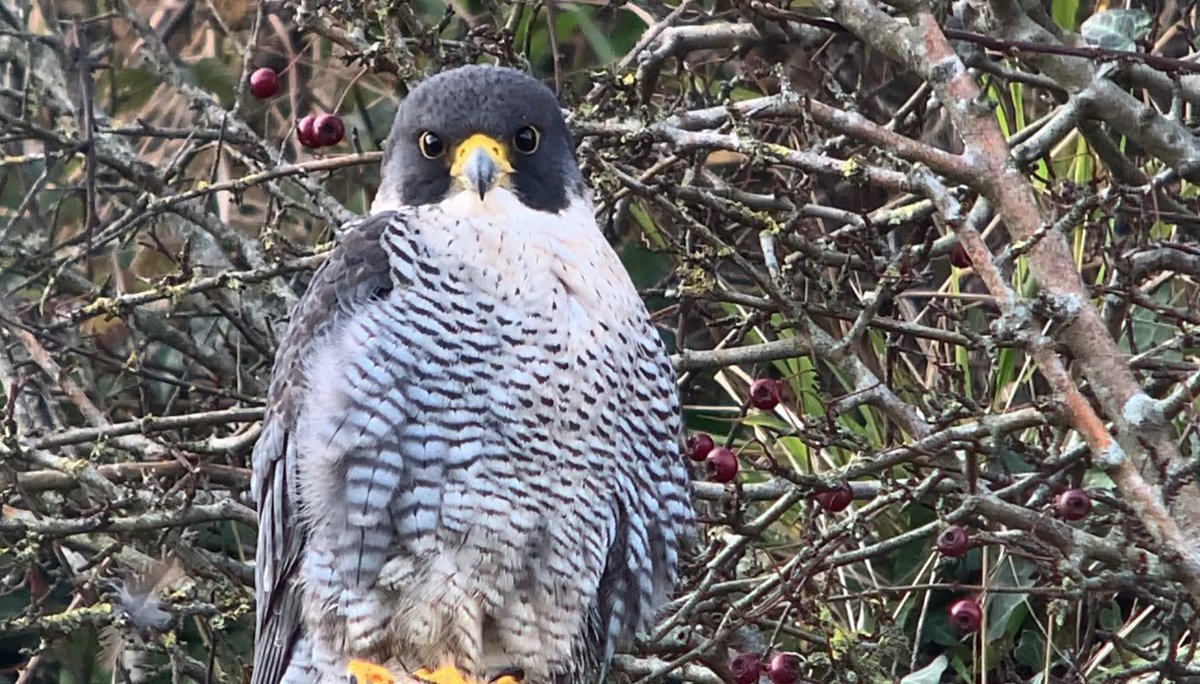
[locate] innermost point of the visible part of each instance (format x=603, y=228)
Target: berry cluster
x=320, y=130
x=966, y=615
x=722, y=463
x=314, y=130
x=765, y=394
x=782, y=668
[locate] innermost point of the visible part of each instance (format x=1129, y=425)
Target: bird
x=470, y=458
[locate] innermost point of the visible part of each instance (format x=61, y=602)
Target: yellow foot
x=364, y=672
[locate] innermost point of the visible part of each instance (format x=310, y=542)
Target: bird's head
x=480, y=129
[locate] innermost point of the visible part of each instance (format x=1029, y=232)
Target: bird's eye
x=431, y=145
x=526, y=140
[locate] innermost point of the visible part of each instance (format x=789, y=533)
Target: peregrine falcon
x=471, y=452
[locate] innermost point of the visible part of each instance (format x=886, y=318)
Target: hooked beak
x=480, y=162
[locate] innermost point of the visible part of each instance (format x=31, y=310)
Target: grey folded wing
x=355, y=273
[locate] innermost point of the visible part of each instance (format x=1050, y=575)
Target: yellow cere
x=492, y=147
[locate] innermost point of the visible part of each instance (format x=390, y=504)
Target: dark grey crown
x=495, y=101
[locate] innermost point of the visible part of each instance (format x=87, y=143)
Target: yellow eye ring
x=527, y=139
x=431, y=145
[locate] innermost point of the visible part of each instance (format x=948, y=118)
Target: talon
x=363, y=672
x=508, y=675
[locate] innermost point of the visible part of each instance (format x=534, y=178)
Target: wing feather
x=355, y=272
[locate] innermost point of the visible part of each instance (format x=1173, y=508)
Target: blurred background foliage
x=119, y=117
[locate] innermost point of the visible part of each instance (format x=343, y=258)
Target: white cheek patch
x=386, y=199
x=532, y=258
x=497, y=206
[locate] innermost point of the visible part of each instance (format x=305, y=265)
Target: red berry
x=306, y=131
x=329, y=129
x=959, y=256
x=953, y=541
x=698, y=446
x=1073, y=504
x=784, y=668
x=264, y=83
x=746, y=668
x=966, y=615
x=836, y=500
x=764, y=394
x=722, y=464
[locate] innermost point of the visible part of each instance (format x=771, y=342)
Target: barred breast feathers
x=534, y=321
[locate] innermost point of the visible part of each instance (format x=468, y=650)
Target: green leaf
x=649, y=227
x=1006, y=610
x=1031, y=649
x=215, y=76
x=1110, y=617
x=132, y=88
x=767, y=420
x=930, y=674
x=1065, y=13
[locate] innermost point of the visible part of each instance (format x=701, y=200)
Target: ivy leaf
x=1116, y=29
